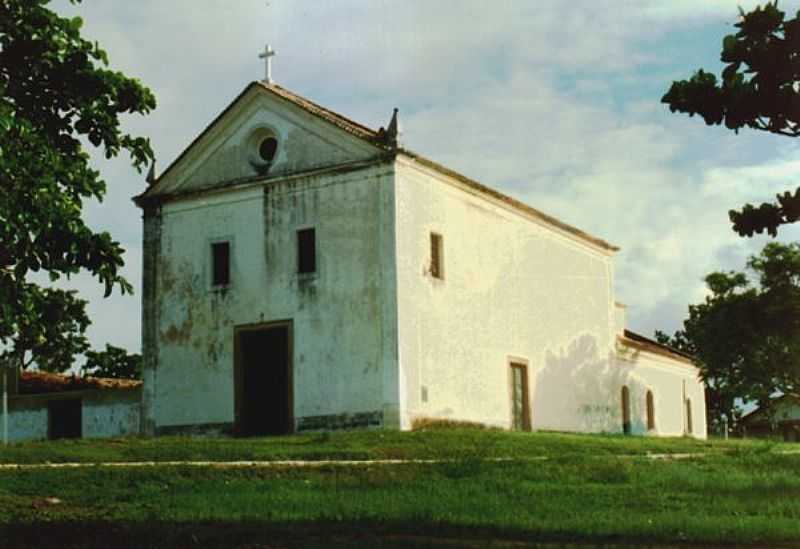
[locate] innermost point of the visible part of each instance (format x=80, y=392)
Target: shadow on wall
x=580, y=389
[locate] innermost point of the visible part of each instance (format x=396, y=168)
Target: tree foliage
x=746, y=334
x=759, y=89
x=55, y=92
x=113, y=362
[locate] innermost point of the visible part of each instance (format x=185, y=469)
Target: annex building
x=302, y=271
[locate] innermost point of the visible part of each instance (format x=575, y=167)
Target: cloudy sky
x=554, y=103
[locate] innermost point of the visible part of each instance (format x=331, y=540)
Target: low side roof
x=756, y=414
x=375, y=138
x=36, y=382
x=646, y=344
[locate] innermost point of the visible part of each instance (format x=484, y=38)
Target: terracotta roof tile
x=35, y=382
x=334, y=118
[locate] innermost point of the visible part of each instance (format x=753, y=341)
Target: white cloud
x=697, y=12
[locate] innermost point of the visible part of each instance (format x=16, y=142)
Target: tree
x=746, y=334
x=55, y=92
x=113, y=362
x=759, y=89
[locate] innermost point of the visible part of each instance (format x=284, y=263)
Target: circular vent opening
x=267, y=148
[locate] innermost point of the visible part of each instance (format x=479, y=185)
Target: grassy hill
x=472, y=488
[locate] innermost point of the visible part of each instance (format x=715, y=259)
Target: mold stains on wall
x=151, y=248
x=340, y=421
x=193, y=315
x=337, y=310
x=305, y=150
x=307, y=289
x=228, y=163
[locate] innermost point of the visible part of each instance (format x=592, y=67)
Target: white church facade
x=302, y=272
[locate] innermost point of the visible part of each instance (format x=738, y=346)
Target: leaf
x=759, y=89
x=48, y=177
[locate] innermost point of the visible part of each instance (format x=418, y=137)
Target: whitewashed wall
x=670, y=382
x=343, y=319
x=108, y=415
x=104, y=414
x=27, y=423
x=513, y=289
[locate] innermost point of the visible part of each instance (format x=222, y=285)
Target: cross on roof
x=267, y=55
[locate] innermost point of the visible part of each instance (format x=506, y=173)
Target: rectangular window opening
x=306, y=251
x=221, y=263
x=437, y=270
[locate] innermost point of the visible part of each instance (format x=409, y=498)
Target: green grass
x=425, y=444
x=588, y=490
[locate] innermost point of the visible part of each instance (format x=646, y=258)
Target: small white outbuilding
x=302, y=271
x=44, y=405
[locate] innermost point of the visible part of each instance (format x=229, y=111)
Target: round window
x=267, y=148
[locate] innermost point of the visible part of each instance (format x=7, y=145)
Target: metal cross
x=267, y=54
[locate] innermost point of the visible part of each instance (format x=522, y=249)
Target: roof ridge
x=377, y=139
x=316, y=108
x=518, y=204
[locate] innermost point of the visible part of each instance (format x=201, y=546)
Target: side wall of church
x=671, y=383
x=512, y=290
x=343, y=315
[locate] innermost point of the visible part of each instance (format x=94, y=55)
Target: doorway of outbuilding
x=263, y=380
x=65, y=418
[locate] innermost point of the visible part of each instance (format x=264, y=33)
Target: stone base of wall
x=200, y=429
x=340, y=421
x=330, y=422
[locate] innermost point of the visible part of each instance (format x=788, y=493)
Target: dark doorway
x=688, y=416
x=626, y=410
x=263, y=380
x=64, y=418
x=520, y=401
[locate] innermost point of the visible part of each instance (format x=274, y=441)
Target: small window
x=267, y=148
x=437, y=252
x=221, y=263
x=306, y=251
x=651, y=411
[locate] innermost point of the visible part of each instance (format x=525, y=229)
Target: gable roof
x=377, y=138
x=328, y=115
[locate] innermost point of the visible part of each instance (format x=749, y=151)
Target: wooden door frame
x=521, y=363
x=238, y=376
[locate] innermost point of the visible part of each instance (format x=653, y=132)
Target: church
x=304, y=272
